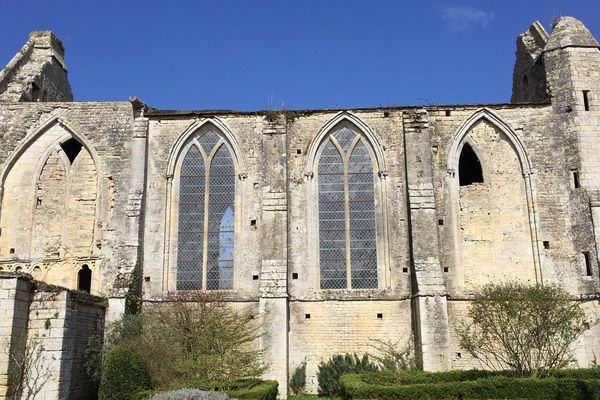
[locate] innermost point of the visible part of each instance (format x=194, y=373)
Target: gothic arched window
x=347, y=221
x=205, y=240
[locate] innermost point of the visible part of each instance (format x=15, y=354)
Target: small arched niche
x=84, y=279
x=469, y=167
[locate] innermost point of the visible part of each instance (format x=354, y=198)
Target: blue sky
x=267, y=54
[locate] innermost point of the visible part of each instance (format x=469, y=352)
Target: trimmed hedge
x=124, y=372
x=495, y=387
x=415, y=377
x=243, y=389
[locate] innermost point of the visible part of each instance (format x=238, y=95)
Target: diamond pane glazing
x=208, y=141
x=221, y=221
x=332, y=219
x=363, y=236
x=345, y=137
x=191, y=221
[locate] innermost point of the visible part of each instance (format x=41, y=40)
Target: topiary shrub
x=298, y=379
x=124, y=372
x=330, y=372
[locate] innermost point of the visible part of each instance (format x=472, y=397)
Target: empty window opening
x=405, y=270
x=458, y=355
x=445, y=269
x=71, y=148
x=587, y=264
x=448, y=113
x=35, y=92
x=84, y=279
x=525, y=87
x=469, y=167
x=306, y=316
x=252, y=222
x=146, y=279
x=576, y=184
x=546, y=244
x=379, y=316
x=254, y=277
x=298, y=151
x=586, y=100
x=294, y=275
x=11, y=250
x=440, y=222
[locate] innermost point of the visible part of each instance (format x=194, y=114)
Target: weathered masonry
x=337, y=226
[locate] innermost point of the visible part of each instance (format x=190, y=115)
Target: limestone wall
x=48, y=331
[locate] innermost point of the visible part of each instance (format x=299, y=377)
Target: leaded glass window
x=347, y=228
x=205, y=242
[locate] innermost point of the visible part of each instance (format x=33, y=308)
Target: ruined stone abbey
x=337, y=226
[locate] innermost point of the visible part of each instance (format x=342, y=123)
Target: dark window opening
x=546, y=244
x=146, y=279
x=254, y=277
x=448, y=113
x=440, y=222
x=445, y=269
x=294, y=275
x=379, y=316
x=252, y=222
x=11, y=250
x=525, y=87
x=576, y=179
x=405, y=270
x=588, y=266
x=84, y=279
x=35, y=92
x=469, y=167
x=586, y=101
x=298, y=151
x=306, y=316
x=71, y=148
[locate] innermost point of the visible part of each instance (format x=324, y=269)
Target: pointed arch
x=35, y=134
x=359, y=125
x=485, y=114
x=189, y=132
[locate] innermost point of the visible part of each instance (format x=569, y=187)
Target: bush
x=394, y=356
x=330, y=372
x=243, y=389
x=498, y=387
x=298, y=379
x=123, y=373
x=197, y=336
x=529, y=329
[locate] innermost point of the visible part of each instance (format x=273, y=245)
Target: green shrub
x=492, y=387
x=123, y=373
x=298, y=379
x=330, y=372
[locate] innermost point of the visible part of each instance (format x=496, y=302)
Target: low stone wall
x=44, y=331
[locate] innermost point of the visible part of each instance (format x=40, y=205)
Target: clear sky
x=268, y=54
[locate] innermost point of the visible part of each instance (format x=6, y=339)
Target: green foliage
x=243, y=389
x=196, y=336
x=492, y=387
x=271, y=115
x=92, y=358
x=330, y=372
x=124, y=372
x=529, y=329
x=298, y=379
x=394, y=356
x=133, y=297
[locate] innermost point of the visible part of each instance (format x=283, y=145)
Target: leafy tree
x=529, y=329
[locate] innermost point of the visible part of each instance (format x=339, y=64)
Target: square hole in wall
x=458, y=355
x=294, y=275
x=252, y=222
x=11, y=250
x=254, y=277
x=306, y=316
x=146, y=279
x=440, y=222
x=386, y=114
x=379, y=315
x=405, y=270
x=445, y=269
x=256, y=185
x=448, y=113
x=298, y=151
x=546, y=244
